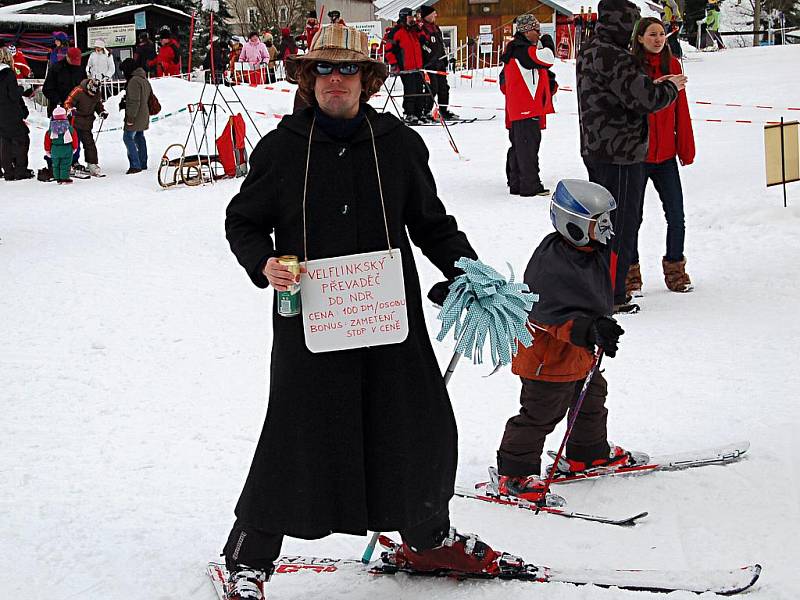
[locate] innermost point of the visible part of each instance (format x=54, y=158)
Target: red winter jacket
x=527, y=82
x=670, y=128
x=407, y=47
x=168, y=60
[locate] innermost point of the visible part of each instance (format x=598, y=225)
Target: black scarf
x=339, y=129
x=570, y=282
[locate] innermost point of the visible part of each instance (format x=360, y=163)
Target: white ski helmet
x=575, y=205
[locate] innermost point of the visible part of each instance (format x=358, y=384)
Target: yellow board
x=791, y=153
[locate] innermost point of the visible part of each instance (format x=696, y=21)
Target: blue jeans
x=137, y=149
x=667, y=181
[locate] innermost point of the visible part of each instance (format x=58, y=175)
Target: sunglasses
x=323, y=68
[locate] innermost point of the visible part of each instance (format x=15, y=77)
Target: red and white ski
x=722, y=581
x=481, y=492
x=671, y=462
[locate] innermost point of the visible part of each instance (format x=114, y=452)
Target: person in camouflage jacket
x=615, y=96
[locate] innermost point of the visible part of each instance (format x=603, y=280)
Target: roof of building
x=50, y=12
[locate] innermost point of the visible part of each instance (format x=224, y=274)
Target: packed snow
x=135, y=353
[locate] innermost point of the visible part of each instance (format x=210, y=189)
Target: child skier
x=60, y=142
x=84, y=102
x=570, y=272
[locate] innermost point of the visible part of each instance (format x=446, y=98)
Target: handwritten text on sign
x=354, y=301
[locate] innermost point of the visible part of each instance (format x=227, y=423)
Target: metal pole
x=783, y=166
x=74, y=25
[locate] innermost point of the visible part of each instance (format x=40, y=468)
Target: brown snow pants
x=544, y=404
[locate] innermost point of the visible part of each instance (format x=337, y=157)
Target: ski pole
x=598, y=355
x=99, y=129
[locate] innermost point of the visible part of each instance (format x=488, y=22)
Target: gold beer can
x=289, y=301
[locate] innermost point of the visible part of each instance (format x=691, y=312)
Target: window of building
x=283, y=14
x=252, y=15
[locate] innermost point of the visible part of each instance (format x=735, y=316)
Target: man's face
x=338, y=95
x=533, y=36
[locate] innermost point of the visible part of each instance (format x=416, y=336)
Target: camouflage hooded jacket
x=615, y=95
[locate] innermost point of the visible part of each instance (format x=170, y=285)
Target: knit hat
x=92, y=87
x=312, y=14
x=60, y=114
x=61, y=36
x=100, y=43
x=127, y=66
x=526, y=23
x=285, y=32
x=267, y=36
x=425, y=10
x=74, y=56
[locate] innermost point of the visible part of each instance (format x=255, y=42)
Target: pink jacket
x=254, y=53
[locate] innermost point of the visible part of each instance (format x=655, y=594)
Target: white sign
x=371, y=28
x=484, y=29
x=113, y=35
x=485, y=38
x=486, y=48
x=354, y=301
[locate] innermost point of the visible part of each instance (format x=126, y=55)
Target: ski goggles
x=324, y=69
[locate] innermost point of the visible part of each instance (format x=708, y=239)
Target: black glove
x=602, y=331
x=104, y=115
x=439, y=291
x=122, y=104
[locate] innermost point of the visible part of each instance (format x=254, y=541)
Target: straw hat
x=339, y=44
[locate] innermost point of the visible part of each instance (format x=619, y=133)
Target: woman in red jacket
x=670, y=137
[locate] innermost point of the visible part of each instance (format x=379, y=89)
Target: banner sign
x=781, y=155
x=354, y=301
x=114, y=36
x=371, y=28
x=140, y=20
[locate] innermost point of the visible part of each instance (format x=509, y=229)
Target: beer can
x=289, y=301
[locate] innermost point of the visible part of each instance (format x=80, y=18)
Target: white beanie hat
x=100, y=43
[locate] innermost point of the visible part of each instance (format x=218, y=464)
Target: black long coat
x=355, y=439
x=61, y=79
x=12, y=108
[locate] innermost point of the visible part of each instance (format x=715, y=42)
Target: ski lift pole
x=191, y=38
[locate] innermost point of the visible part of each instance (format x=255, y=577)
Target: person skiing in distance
x=434, y=57
x=671, y=136
x=528, y=85
x=712, y=25
x=571, y=275
x=407, y=48
x=82, y=104
x=614, y=97
x=381, y=466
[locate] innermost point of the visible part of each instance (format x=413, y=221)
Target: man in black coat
x=434, y=57
x=62, y=78
x=365, y=438
x=144, y=53
x=615, y=95
x=14, y=139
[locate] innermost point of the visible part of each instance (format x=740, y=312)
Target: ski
x=481, y=493
x=720, y=581
x=672, y=462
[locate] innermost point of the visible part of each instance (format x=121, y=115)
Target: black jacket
x=433, y=50
x=12, y=107
x=615, y=95
x=61, y=79
x=143, y=54
x=356, y=439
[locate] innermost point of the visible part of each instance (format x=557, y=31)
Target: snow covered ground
x=134, y=357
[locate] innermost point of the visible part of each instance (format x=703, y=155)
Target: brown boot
x=633, y=282
x=675, y=275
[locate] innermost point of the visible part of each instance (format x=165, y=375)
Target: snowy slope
x=135, y=353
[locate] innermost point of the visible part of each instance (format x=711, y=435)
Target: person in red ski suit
x=671, y=137
x=312, y=27
x=407, y=49
x=167, y=61
x=528, y=86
